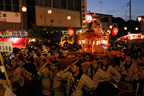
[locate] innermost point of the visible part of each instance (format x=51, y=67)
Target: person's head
x=43, y=47
x=128, y=57
x=141, y=70
x=61, y=50
x=87, y=56
x=33, y=52
x=139, y=51
x=13, y=62
x=54, y=65
x=75, y=65
x=29, y=71
x=26, y=50
x=135, y=54
x=105, y=60
x=29, y=59
x=20, y=57
x=48, y=41
x=95, y=63
x=48, y=48
x=122, y=54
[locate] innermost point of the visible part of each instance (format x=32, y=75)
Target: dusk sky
x=117, y=8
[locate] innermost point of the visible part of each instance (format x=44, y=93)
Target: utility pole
x=130, y=14
x=100, y=6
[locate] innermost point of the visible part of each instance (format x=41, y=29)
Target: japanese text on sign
x=6, y=47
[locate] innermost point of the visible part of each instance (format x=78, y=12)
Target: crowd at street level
x=46, y=71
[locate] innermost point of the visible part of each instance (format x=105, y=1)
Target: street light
x=136, y=28
x=24, y=9
x=125, y=28
x=110, y=26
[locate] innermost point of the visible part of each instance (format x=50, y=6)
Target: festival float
x=93, y=39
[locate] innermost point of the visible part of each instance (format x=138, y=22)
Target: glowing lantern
x=71, y=32
x=136, y=28
x=110, y=26
x=125, y=28
x=68, y=17
x=49, y=11
x=140, y=19
x=24, y=9
x=88, y=18
x=115, y=31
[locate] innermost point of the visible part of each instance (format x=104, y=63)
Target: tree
x=43, y=35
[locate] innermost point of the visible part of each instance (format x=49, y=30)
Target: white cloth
x=8, y=92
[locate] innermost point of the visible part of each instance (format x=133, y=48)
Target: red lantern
x=88, y=18
x=140, y=19
x=71, y=32
x=115, y=31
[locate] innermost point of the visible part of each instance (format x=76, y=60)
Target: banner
x=14, y=17
x=13, y=33
x=6, y=47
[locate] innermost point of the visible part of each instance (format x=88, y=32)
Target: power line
x=118, y=9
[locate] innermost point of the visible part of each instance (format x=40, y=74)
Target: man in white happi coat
x=76, y=80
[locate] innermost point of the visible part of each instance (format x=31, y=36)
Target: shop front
x=17, y=37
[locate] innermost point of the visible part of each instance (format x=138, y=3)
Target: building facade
x=64, y=13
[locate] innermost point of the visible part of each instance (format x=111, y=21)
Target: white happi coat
x=131, y=74
x=85, y=82
x=46, y=82
x=113, y=74
x=100, y=76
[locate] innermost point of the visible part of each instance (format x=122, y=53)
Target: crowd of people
x=49, y=71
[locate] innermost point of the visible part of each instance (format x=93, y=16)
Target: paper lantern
x=88, y=18
x=115, y=31
x=71, y=32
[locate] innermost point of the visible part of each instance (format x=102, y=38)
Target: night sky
x=117, y=8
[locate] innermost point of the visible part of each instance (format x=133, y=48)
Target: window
x=8, y=5
x=77, y=5
x=83, y=6
x=8, y=2
x=47, y=3
x=15, y=8
x=1, y=1
x=1, y=5
x=15, y=2
x=16, y=5
x=39, y=2
x=56, y=3
x=63, y=4
x=8, y=8
x=83, y=15
x=70, y=4
x=83, y=10
x=105, y=19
